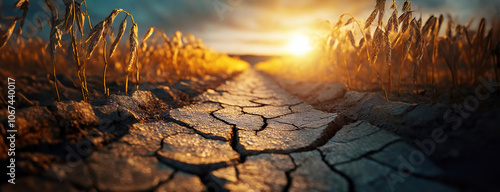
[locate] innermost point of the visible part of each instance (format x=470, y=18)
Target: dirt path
x=249, y=134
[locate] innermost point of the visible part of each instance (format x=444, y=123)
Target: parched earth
x=246, y=135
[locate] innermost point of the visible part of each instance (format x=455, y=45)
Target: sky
x=262, y=27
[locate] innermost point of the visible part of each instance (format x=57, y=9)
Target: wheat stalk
x=55, y=42
x=107, y=26
x=69, y=26
x=134, y=42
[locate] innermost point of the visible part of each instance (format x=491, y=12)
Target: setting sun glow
x=299, y=45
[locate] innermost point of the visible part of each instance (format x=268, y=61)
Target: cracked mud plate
x=248, y=135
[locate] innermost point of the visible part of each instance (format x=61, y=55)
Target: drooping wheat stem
x=55, y=38
x=70, y=23
x=105, y=68
x=133, y=52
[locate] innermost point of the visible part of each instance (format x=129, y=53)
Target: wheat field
x=98, y=49
x=403, y=54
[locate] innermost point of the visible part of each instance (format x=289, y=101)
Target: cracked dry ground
x=249, y=135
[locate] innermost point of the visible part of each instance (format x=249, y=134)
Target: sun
x=299, y=45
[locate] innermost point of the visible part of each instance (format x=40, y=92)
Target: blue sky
x=255, y=26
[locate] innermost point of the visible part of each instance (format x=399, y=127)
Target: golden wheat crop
x=417, y=53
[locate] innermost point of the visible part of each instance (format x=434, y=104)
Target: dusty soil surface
x=465, y=125
x=52, y=134
x=247, y=134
